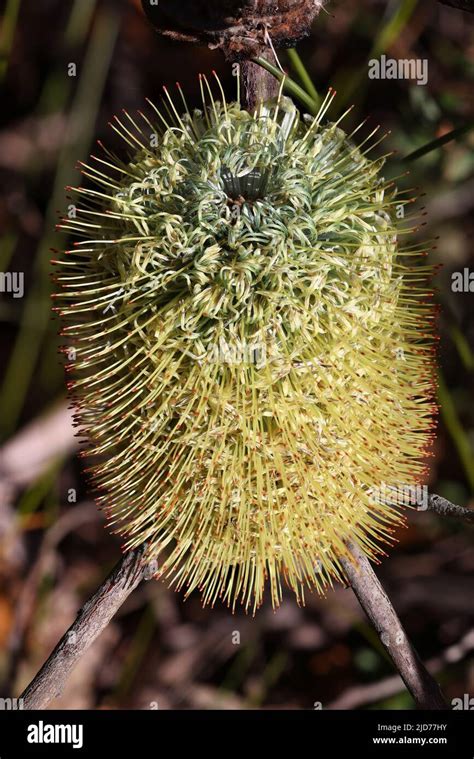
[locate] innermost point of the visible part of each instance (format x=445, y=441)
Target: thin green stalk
x=463, y=348
x=9, y=23
x=456, y=430
x=301, y=70
x=79, y=22
x=465, y=352
x=37, y=309
x=392, y=30
x=271, y=674
x=289, y=85
x=32, y=498
x=57, y=88
x=235, y=674
x=384, y=39
x=7, y=247
x=434, y=144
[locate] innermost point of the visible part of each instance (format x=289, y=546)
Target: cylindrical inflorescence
x=253, y=350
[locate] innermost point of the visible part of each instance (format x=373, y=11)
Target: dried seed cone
x=253, y=359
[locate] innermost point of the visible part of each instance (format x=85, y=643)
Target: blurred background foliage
x=161, y=652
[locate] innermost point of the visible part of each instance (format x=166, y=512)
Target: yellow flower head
x=253, y=354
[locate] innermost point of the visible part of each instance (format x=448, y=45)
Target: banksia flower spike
x=253, y=351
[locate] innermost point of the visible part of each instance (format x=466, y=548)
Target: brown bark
x=238, y=27
x=258, y=85
x=376, y=604
x=94, y=617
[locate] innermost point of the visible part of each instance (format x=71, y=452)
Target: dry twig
x=382, y=615
x=94, y=616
